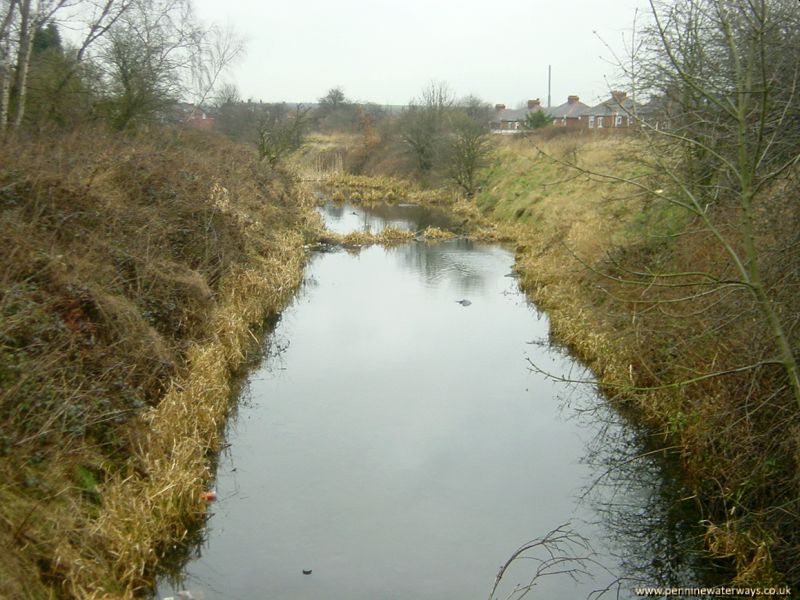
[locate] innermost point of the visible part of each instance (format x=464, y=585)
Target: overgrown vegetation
x=138, y=259
x=589, y=251
x=437, y=140
x=133, y=272
x=669, y=259
x=136, y=266
x=133, y=61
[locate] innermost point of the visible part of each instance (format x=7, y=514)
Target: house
x=200, y=119
x=569, y=113
x=658, y=112
x=192, y=115
x=507, y=120
x=617, y=112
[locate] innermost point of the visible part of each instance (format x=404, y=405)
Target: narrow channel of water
x=394, y=442
x=345, y=218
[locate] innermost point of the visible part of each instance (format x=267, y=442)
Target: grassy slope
x=739, y=434
x=132, y=273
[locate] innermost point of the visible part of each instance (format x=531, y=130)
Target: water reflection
x=398, y=446
x=345, y=217
x=649, y=518
x=436, y=261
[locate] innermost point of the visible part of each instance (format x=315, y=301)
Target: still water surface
x=393, y=441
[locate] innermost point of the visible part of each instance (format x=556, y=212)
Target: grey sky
x=385, y=51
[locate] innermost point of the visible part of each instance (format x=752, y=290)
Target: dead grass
x=558, y=218
x=368, y=189
x=435, y=233
x=389, y=236
x=570, y=229
x=136, y=271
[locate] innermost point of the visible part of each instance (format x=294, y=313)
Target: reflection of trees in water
x=334, y=210
x=412, y=216
x=453, y=260
x=377, y=217
x=650, y=517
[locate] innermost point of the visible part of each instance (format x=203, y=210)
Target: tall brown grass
x=133, y=273
x=585, y=246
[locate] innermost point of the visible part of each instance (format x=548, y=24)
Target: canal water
x=394, y=441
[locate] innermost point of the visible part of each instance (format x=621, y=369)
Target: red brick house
x=507, y=120
x=615, y=113
x=569, y=113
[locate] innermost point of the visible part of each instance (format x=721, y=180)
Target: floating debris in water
x=464, y=302
x=209, y=496
x=306, y=571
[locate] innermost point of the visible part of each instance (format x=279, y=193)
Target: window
x=618, y=121
x=591, y=122
x=600, y=122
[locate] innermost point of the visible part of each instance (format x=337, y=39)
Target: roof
x=508, y=114
x=612, y=106
x=517, y=114
x=568, y=109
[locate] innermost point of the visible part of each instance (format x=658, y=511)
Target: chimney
x=572, y=99
x=534, y=104
x=618, y=96
x=499, y=107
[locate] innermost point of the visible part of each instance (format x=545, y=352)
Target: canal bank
x=395, y=443
x=136, y=277
x=636, y=287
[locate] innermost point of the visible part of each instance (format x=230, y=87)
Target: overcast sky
x=386, y=51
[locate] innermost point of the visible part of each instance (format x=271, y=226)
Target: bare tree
x=7, y=15
x=422, y=122
x=280, y=131
x=467, y=151
x=712, y=286
x=146, y=58
x=20, y=19
x=726, y=74
x=333, y=100
x=216, y=50
x=96, y=18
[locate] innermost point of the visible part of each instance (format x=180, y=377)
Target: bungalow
x=507, y=120
x=616, y=112
x=569, y=113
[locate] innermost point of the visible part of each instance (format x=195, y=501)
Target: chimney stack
x=499, y=107
x=618, y=96
x=534, y=104
x=572, y=99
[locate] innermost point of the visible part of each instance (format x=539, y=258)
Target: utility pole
x=549, y=80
